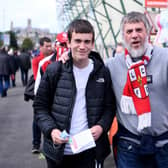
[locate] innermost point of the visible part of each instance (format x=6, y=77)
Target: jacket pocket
x=53, y=151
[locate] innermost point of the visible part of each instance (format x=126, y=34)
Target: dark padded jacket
x=24, y=61
x=5, y=67
x=55, y=99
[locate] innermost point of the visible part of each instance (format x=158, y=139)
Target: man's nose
x=82, y=45
x=134, y=34
x=49, y=48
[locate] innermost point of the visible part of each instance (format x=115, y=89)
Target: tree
x=27, y=44
x=13, y=40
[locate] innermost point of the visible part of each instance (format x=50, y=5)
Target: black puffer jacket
x=53, y=107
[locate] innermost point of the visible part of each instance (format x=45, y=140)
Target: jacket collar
x=95, y=56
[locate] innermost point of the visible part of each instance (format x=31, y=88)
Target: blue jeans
x=4, y=83
x=128, y=156
x=36, y=134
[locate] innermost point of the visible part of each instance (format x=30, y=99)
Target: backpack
x=29, y=90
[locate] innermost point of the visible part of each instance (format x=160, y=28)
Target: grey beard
x=136, y=53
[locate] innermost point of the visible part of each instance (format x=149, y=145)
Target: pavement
x=16, y=132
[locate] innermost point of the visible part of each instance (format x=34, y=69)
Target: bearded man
x=140, y=83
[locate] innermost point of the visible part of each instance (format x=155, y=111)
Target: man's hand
x=56, y=137
x=64, y=57
x=96, y=131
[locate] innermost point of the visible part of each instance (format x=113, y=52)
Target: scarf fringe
x=127, y=105
x=144, y=120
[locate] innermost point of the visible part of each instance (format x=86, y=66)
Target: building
x=30, y=32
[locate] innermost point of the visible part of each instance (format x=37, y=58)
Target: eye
x=87, y=41
x=139, y=30
x=129, y=31
x=78, y=41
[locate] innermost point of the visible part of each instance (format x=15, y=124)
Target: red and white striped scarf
x=60, y=51
x=135, y=99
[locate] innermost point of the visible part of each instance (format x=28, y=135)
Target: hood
x=95, y=56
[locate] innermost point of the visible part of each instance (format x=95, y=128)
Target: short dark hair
x=44, y=39
x=80, y=26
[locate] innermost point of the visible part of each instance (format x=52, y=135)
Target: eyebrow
x=136, y=29
x=79, y=40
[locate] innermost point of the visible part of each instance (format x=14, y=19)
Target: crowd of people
x=77, y=93
x=10, y=62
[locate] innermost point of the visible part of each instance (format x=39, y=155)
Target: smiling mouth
x=82, y=52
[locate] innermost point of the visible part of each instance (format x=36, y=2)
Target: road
x=16, y=132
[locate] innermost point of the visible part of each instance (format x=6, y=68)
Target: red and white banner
x=156, y=3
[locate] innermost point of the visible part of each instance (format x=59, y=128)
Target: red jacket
x=35, y=63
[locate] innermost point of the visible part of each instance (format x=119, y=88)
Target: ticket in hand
x=64, y=134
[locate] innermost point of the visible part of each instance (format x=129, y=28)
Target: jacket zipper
x=72, y=105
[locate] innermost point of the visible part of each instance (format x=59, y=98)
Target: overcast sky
x=41, y=12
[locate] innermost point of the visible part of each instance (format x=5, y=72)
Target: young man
x=76, y=96
x=141, y=96
x=45, y=50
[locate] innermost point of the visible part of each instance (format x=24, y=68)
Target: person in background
x=14, y=66
x=119, y=49
x=60, y=48
x=24, y=60
x=76, y=97
x=5, y=71
x=45, y=50
x=35, y=52
x=140, y=88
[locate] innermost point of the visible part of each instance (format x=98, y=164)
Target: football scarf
x=135, y=99
x=60, y=51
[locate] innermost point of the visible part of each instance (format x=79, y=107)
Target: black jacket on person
x=13, y=63
x=55, y=99
x=24, y=61
x=5, y=67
